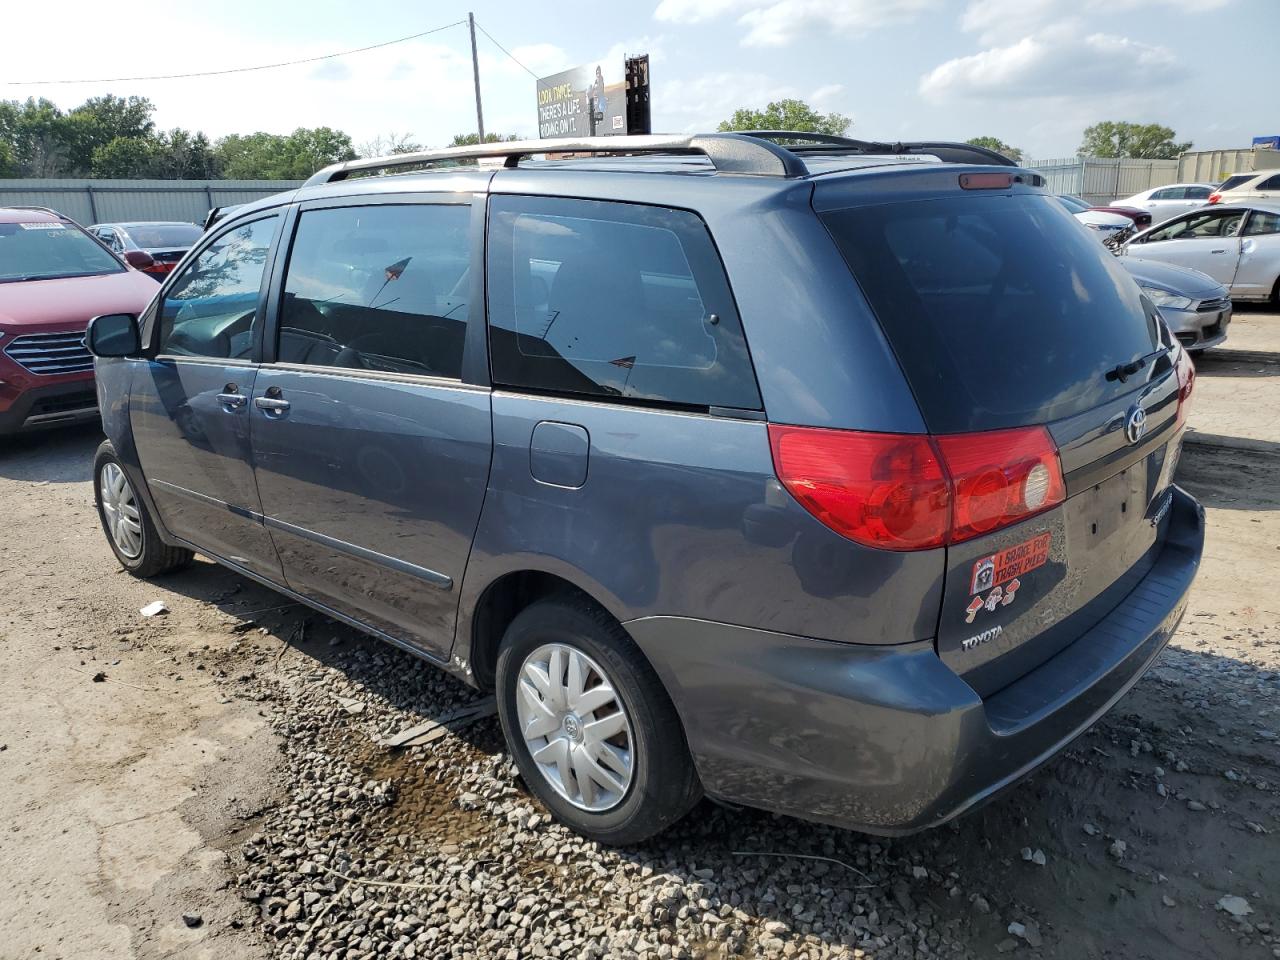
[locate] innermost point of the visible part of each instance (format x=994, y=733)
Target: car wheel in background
x=126, y=522
x=590, y=725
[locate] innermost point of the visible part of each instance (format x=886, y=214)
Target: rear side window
x=1197, y=193
x=1168, y=193
x=1262, y=224
x=1232, y=182
x=613, y=300
x=1271, y=183
x=1002, y=311
x=382, y=287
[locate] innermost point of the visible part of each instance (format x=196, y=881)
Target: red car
x=53, y=278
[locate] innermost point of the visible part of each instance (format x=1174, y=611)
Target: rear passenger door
x=371, y=453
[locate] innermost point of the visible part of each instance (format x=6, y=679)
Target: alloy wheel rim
x=575, y=726
x=120, y=510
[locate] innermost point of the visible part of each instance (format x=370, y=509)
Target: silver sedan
x=1238, y=245
x=1196, y=307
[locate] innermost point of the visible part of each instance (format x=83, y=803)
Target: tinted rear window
x=155, y=235
x=1002, y=310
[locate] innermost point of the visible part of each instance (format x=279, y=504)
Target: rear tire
x=127, y=523
x=630, y=778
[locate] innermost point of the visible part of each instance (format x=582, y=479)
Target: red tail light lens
x=881, y=489
x=1186, y=372
x=1215, y=198
x=914, y=492
x=1000, y=477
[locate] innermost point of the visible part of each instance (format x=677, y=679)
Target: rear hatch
x=1005, y=315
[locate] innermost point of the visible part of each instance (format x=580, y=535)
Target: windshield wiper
x=1123, y=371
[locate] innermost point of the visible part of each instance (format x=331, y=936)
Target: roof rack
x=749, y=152
x=24, y=206
x=944, y=150
x=728, y=153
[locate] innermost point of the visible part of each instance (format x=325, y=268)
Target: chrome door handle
x=271, y=404
x=1217, y=251
x=232, y=399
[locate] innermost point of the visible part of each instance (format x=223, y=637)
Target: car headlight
x=1165, y=298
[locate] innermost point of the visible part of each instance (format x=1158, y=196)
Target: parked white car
x=1243, y=187
x=1164, y=203
x=1237, y=245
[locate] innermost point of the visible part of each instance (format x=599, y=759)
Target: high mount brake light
x=916, y=492
x=986, y=181
x=1215, y=198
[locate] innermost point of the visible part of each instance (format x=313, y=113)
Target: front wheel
x=126, y=522
x=590, y=725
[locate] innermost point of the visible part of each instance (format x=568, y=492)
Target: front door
x=190, y=403
x=1205, y=241
x=371, y=453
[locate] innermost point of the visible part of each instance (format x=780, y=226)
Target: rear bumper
x=53, y=405
x=889, y=740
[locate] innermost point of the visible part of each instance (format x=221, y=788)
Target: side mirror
x=139, y=259
x=113, y=335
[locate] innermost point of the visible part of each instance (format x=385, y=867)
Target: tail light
x=999, y=478
x=1186, y=372
x=1215, y=198
x=912, y=491
x=882, y=489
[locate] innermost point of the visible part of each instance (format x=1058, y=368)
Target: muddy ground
x=222, y=762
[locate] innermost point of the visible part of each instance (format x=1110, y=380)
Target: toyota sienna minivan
x=831, y=478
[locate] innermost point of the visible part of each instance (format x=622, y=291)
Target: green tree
x=125, y=158
x=100, y=120
x=787, y=115
x=35, y=133
x=1143, y=141
x=998, y=145
x=270, y=156
x=8, y=162
x=389, y=145
x=473, y=139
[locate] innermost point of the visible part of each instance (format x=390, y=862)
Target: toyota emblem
x=1136, y=426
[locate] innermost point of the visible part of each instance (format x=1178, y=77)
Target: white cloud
x=825, y=94
x=710, y=98
x=776, y=23
x=998, y=21
x=1057, y=62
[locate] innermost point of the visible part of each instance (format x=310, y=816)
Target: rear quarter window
x=1001, y=309
x=613, y=300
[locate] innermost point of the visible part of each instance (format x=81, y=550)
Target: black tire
x=155, y=556
x=664, y=785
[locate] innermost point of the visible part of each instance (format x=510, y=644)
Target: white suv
x=1263, y=185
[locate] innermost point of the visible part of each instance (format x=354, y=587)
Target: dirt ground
x=166, y=784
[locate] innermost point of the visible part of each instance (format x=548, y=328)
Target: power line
x=506, y=51
x=264, y=66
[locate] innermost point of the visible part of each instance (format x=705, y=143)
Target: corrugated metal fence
x=1214, y=166
x=113, y=201
x=1099, y=180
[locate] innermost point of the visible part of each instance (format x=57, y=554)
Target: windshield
x=48, y=251
x=153, y=235
x=1002, y=311
x=1074, y=204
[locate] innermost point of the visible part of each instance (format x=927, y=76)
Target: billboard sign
x=582, y=102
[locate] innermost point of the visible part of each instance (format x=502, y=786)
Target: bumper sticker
x=1016, y=561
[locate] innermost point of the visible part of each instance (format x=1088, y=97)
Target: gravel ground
x=256, y=734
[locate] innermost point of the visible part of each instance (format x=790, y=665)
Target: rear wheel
x=590, y=725
x=126, y=522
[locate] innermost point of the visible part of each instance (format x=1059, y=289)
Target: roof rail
x=944, y=150
x=24, y=206
x=728, y=153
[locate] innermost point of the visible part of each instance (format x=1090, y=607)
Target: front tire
x=127, y=523
x=590, y=725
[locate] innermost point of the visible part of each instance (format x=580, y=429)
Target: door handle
x=231, y=398
x=1217, y=251
x=271, y=404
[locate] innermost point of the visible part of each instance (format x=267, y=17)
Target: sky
x=1032, y=72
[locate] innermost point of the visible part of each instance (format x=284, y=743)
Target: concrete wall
x=1214, y=166
x=111, y=201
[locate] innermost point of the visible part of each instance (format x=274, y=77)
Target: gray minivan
x=821, y=476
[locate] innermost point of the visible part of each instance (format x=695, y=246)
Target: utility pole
x=475, y=67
